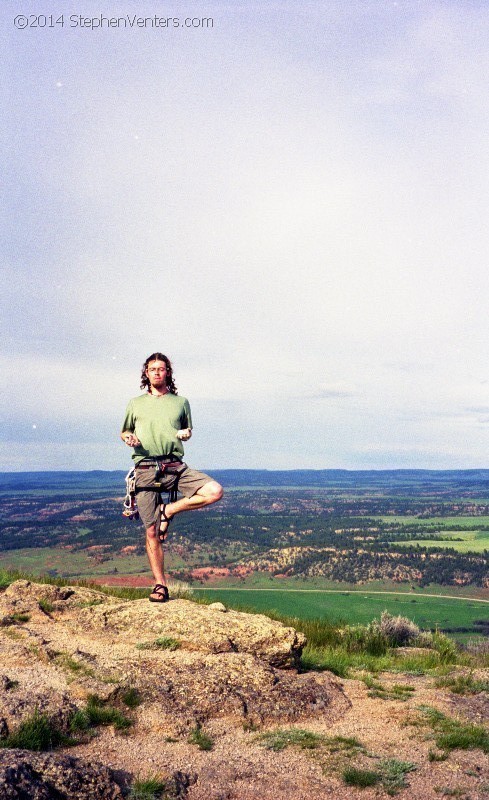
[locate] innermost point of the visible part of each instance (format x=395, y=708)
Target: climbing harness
x=163, y=466
x=130, y=505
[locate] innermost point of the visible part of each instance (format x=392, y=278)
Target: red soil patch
x=206, y=573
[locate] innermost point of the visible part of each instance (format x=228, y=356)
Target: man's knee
x=212, y=491
x=151, y=533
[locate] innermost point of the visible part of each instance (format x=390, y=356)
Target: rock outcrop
x=40, y=776
x=190, y=665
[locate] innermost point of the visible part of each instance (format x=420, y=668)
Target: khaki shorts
x=189, y=482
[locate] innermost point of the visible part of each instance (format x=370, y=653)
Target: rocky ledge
x=188, y=664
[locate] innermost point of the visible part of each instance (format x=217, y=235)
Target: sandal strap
x=161, y=591
x=163, y=513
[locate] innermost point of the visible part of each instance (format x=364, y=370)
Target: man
x=155, y=425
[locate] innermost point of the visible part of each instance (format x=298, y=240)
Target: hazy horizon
x=258, y=469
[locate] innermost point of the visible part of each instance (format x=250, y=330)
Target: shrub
x=180, y=590
x=13, y=619
x=335, y=660
x=163, y=643
x=433, y=755
x=131, y=697
x=464, y=684
x=201, y=739
x=365, y=639
x=445, y=647
x=319, y=632
x=479, y=647
x=6, y=578
x=399, y=631
x=424, y=639
x=150, y=788
x=418, y=663
x=97, y=601
x=97, y=713
x=72, y=665
x=398, y=691
x=452, y=734
x=362, y=778
x=348, y=743
x=37, y=732
x=282, y=738
x=391, y=773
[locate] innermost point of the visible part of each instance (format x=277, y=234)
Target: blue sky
x=292, y=204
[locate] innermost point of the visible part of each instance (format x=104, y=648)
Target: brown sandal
x=162, y=592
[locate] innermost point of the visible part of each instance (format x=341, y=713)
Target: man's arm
x=130, y=438
x=185, y=431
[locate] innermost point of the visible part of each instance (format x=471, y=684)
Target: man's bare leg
x=156, y=558
x=209, y=493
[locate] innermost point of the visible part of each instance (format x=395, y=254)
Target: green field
x=442, y=522
x=356, y=606
x=264, y=580
x=474, y=542
x=63, y=563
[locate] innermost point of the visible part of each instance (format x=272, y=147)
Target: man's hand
x=184, y=434
x=130, y=439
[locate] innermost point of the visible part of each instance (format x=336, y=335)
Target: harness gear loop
x=130, y=505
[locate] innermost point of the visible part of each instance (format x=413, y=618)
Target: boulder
x=44, y=776
x=197, y=628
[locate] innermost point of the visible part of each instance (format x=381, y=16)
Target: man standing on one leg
x=155, y=425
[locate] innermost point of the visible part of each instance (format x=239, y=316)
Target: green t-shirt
x=155, y=420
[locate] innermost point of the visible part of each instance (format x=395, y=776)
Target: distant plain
x=69, y=525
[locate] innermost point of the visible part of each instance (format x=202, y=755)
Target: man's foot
x=159, y=594
x=164, y=522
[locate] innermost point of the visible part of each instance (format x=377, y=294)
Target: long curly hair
x=145, y=382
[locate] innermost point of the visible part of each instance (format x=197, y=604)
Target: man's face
x=156, y=372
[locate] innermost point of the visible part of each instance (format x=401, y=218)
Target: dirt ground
x=240, y=768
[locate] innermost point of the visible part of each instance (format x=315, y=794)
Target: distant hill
x=402, y=480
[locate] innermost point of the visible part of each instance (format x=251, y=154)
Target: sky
x=289, y=200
